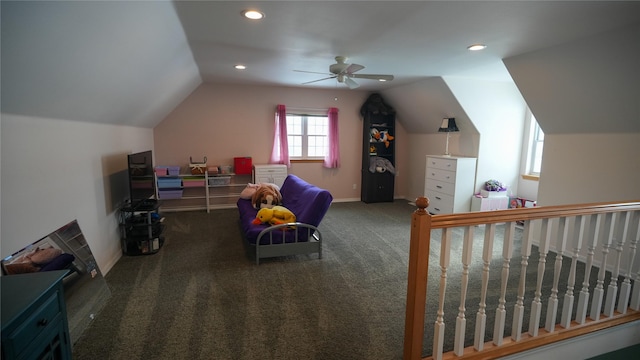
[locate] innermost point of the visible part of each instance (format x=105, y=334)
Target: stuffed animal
x=385, y=137
x=379, y=164
x=376, y=105
x=375, y=135
x=275, y=216
x=266, y=196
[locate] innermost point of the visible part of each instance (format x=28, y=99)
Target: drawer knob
x=439, y=187
x=43, y=322
x=438, y=198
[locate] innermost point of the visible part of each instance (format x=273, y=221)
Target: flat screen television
x=142, y=184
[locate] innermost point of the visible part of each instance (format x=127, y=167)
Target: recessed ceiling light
x=382, y=80
x=240, y=67
x=253, y=14
x=476, y=47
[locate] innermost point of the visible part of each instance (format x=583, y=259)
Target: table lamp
x=448, y=126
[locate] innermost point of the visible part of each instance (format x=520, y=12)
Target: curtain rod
x=295, y=108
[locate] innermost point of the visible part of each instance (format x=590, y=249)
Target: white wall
x=585, y=97
x=583, y=168
x=56, y=171
x=498, y=111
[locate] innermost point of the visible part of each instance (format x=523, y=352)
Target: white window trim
x=527, y=148
x=305, y=114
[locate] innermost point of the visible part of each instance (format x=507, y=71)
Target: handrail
x=421, y=225
x=534, y=213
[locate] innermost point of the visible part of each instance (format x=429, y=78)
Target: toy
x=379, y=164
x=385, y=137
x=380, y=136
x=275, y=216
x=375, y=135
x=376, y=105
x=266, y=195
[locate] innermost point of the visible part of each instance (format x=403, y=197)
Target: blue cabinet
x=34, y=316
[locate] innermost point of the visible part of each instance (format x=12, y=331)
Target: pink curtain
x=332, y=159
x=280, y=152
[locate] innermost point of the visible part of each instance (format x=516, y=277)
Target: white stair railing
x=598, y=226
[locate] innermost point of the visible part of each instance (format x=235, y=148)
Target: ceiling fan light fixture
x=253, y=14
x=476, y=47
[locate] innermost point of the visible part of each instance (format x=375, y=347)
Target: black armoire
x=378, y=150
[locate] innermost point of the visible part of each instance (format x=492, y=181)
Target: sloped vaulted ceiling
x=95, y=61
x=132, y=62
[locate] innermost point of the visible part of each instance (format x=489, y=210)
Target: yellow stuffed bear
x=274, y=216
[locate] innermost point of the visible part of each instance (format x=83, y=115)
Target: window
x=537, y=145
x=307, y=136
x=534, y=147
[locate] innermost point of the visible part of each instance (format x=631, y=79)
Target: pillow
x=248, y=192
x=44, y=256
x=60, y=262
x=20, y=268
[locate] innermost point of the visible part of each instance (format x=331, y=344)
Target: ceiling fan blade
x=350, y=83
x=352, y=68
x=313, y=72
x=373, y=76
x=327, y=78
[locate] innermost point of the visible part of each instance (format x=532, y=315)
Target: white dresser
x=274, y=174
x=449, y=183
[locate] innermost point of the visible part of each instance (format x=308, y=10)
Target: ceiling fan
x=345, y=73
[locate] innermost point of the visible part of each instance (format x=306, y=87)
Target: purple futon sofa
x=308, y=203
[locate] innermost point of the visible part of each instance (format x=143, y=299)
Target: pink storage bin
x=161, y=171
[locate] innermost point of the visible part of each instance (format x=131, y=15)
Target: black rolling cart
x=141, y=227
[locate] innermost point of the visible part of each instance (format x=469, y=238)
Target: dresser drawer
x=440, y=163
x=45, y=314
x=439, y=203
x=441, y=175
x=440, y=186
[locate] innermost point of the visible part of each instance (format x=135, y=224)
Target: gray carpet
x=202, y=296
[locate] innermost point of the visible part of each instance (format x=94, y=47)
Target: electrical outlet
x=355, y=186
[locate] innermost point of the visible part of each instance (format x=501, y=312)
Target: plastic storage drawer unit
x=219, y=180
x=169, y=194
x=164, y=183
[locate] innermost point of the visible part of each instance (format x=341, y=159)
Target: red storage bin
x=242, y=165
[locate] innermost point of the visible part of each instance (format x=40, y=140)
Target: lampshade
x=448, y=125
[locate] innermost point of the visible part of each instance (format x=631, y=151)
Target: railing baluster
x=612, y=291
x=501, y=312
x=567, y=306
x=635, y=297
x=438, y=333
x=608, y=222
x=536, y=304
x=518, y=308
x=461, y=321
x=552, y=305
x=481, y=316
x=583, y=301
x=598, y=292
